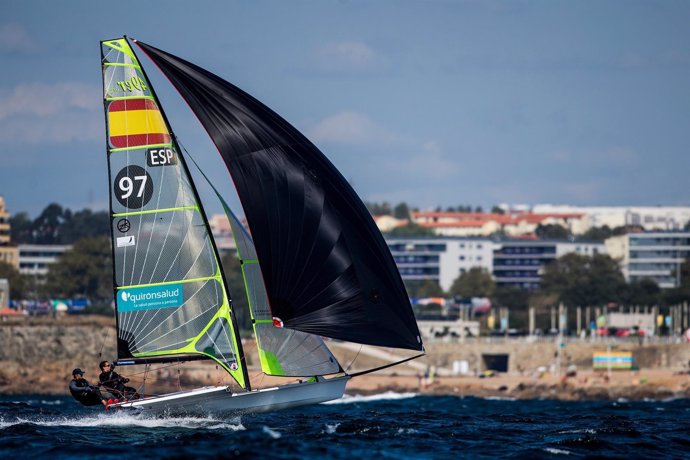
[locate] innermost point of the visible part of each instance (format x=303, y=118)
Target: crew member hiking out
x=115, y=383
x=83, y=392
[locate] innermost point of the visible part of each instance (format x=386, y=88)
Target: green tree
x=476, y=282
x=598, y=233
x=21, y=228
x=16, y=280
x=643, y=292
x=46, y=228
x=411, y=229
x=512, y=297
x=86, y=270
x=423, y=288
x=85, y=224
x=583, y=280
x=552, y=232
x=401, y=211
x=497, y=210
x=379, y=209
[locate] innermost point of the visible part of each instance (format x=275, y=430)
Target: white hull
x=220, y=401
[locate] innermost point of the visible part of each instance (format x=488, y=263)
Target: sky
x=435, y=103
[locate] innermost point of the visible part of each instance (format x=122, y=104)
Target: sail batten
x=170, y=293
x=326, y=268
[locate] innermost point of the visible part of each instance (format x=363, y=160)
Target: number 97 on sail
x=133, y=187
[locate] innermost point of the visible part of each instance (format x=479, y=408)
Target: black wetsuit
x=115, y=384
x=86, y=394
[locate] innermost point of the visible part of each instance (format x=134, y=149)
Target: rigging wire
x=354, y=359
x=105, y=337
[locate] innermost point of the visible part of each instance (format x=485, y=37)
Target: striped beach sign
x=612, y=360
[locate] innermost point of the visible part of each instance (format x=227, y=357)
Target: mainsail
x=326, y=268
x=170, y=294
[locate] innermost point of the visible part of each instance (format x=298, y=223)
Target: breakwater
x=38, y=354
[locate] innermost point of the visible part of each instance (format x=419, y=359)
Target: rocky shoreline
x=587, y=386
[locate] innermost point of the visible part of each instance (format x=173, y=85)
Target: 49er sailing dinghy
x=315, y=266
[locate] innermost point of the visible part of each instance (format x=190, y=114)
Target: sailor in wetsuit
x=115, y=383
x=86, y=394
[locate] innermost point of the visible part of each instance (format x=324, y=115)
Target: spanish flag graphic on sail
x=136, y=122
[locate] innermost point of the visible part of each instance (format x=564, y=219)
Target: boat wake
x=388, y=395
x=124, y=419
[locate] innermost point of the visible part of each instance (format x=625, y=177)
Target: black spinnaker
x=326, y=266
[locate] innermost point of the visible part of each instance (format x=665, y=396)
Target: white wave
x=585, y=431
x=330, y=429
x=407, y=431
x=499, y=398
x=388, y=395
x=555, y=451
x=41, y=402
x=272, y=433
x=124, y=419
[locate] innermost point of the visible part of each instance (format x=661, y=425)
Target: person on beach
x=82, y=391
x=115, y=383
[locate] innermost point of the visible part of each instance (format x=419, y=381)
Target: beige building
x=8, y=252
x=387, y=223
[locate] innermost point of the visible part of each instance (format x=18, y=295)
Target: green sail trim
x=122, y=45
x=269, y=362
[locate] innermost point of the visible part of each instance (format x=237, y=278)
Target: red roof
x=473, y=223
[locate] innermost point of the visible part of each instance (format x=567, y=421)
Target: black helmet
x=77, y=371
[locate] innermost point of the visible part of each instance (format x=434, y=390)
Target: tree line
x=58, y=225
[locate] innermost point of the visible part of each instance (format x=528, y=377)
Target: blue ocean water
x=389, y=425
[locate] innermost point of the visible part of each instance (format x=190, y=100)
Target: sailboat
x=315, y=265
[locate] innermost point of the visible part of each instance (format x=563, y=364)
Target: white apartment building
x=36, y=259
x=520, y=263
x=514, y=262
x=441, y=259
x=654, y=255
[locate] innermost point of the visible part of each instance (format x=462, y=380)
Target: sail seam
x=121, y=64
x=154, y=211
x=166, y=283
x=138, y=147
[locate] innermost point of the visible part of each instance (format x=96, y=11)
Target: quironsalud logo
x=150, y=297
